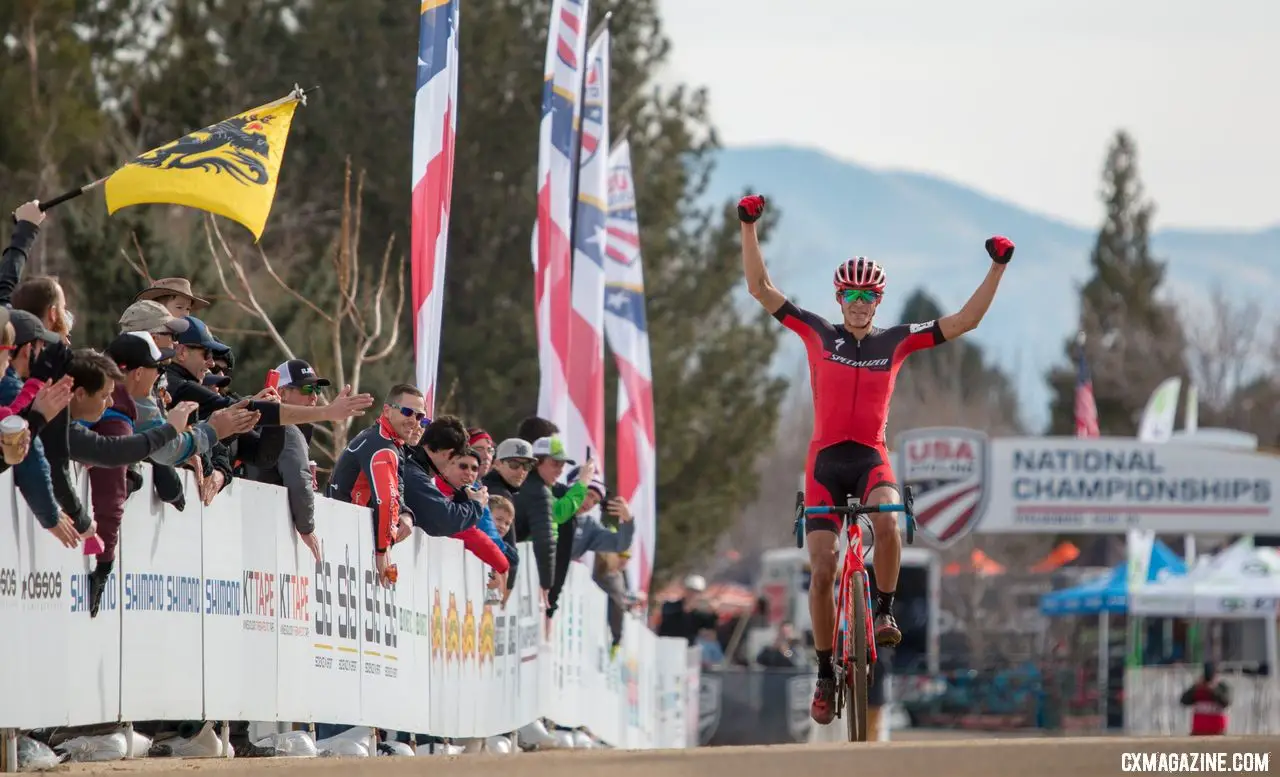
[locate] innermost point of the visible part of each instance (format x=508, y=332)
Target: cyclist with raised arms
x=852, y=368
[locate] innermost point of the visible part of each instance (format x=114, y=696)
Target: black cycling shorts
x=837, y=472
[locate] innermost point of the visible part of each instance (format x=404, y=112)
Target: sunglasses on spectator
x=409, y=412
x=859, y=295
x=311, y=390
x=468, y=467
x=524, y=464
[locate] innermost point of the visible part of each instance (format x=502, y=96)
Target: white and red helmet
x=860, y=273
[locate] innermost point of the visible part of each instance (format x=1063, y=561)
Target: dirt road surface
x=1018, y=757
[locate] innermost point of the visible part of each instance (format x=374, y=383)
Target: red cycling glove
x=750, y=208
x=999, y=248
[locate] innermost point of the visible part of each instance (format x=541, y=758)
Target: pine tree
x=1133, y=338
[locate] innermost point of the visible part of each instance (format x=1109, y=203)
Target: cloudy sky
x=1016, y=98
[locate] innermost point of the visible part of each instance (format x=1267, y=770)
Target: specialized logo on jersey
x=947, y=470
x=870, y=364
x=918, y=328
x=839, y=343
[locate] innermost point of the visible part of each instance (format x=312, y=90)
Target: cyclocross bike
x=853, y=646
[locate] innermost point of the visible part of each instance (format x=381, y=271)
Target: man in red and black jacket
x=1208, y=700
x=368, y=471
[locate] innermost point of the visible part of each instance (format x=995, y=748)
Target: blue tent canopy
x=1109, y=593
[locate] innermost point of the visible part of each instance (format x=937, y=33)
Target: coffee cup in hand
x=13, y=439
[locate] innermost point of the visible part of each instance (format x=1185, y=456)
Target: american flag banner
x=586, y=330
x=1086, y=409
x=435, y=122
x=552, y=254
x=627, y=332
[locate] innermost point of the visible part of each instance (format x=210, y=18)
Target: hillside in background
x=929, y=232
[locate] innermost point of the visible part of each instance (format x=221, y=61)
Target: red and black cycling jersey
x=852, y=379
x=368, y=474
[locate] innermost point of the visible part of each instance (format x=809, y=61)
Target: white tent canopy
x=1240, y=582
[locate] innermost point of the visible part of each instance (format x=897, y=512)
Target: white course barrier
x=220, y=613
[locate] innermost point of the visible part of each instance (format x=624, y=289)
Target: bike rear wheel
x=857, y=674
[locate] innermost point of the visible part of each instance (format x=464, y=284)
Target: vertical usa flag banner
x=586, y=328
x=552, y=252
x=627, y=331
x=435, y=121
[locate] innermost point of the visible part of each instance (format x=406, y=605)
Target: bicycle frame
x=848, y=664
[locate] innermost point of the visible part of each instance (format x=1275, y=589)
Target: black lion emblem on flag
x=233, y=146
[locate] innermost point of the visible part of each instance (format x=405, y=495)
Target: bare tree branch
x=1224, y=346
x=266, y=264
x=248, y=290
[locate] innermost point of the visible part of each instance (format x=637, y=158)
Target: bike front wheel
x=856, y=677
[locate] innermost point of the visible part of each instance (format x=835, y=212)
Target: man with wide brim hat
x=164, y=288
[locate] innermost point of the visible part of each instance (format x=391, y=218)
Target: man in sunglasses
x=367, y=473
x=299, y=386
x=852, y=367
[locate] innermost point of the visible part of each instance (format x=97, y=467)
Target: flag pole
x=298, y=94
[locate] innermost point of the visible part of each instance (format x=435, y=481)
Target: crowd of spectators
x=160, y=396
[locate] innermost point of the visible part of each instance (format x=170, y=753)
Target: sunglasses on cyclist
x=859, y=295
x=409, y=412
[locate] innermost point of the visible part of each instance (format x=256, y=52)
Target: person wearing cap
x=138, y=358
x=592, y=536
x=175, y=295
x=299, y=385
x=32, y=475
x=688, y=616
x=35, y=402
x=152, y=317
x=513, y=458
x=579, y=529
x=194, y=354
x=538, y=512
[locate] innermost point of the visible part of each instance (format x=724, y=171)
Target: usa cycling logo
x=947, y=470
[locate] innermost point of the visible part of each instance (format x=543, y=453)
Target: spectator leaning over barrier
x=513, y=460
x=32, y=474
x=26, y=226
x=42, y=296
x=138, y=359
x=194, y=356
x=442, y=506
x=152, y=318
x=72, y=436
x=35, y=403
x=536, y=507
x=299, y=385
x=367, y=472
x=456, y=478
x=564, y=511
x=592, y=535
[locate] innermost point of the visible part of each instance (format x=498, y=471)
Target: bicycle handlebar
x=859, y=510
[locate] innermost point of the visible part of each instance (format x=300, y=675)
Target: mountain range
x=929, y=233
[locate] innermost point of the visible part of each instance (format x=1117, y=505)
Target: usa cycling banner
x=964, y=482
x=220, y=612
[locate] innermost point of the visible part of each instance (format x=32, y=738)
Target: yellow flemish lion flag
x=229, y=168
